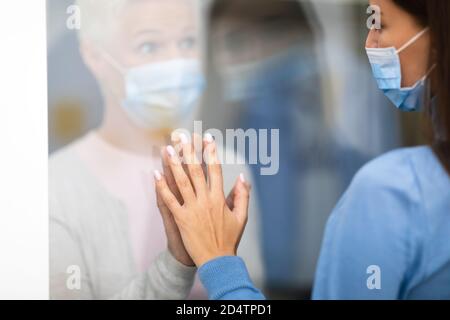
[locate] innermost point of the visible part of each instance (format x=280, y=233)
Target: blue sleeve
x=371, y=243
x=227, y=278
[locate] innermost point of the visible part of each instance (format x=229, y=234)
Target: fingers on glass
x=194, y=167
x=213, y=164
x=165, y=193
x=241, y=197
x=182, y=180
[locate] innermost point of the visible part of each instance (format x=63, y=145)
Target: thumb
x=241, y=198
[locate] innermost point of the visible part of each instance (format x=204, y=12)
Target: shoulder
x=387, y=189
x=61, y=160
x=394, y=173
x=69, y=181
x=66, y=157
x=65, y=169
x=394, y=164
x=66, y=163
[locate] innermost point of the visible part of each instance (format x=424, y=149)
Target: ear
x=92, y=58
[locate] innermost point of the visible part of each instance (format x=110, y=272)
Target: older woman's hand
x=174, y=241
x=210, y=225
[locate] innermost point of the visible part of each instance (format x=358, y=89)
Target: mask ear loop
x=410, y=42
x=113, y=62
x=428, y=72
x=413, y=39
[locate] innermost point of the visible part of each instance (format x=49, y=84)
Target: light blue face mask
x=386, y=69
x=161, y=95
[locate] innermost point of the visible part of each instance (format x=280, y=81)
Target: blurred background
x=296, y=66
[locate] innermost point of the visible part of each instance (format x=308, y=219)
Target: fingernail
x=184, y=138
x=242, y=177
x=171, y=151
x=209, y=138
x=158, y=175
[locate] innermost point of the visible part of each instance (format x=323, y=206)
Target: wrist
x=204, y=259
x=182, y=257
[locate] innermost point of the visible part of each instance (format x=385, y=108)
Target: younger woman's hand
x=210, y=225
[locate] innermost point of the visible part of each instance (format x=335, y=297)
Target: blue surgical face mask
x=161, y=95
x=386, y=69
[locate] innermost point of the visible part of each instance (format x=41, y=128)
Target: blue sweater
x=388, y=237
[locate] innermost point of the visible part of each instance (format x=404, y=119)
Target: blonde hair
x=99, y=17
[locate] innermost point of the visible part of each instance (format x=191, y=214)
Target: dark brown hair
x=299, y=13
x=435, y=14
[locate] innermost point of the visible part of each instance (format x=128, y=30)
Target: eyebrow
x=155, y=31
x=146, y=31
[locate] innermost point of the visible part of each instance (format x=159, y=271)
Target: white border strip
x=23, y=141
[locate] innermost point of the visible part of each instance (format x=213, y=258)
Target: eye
x=188, y=43
x=148, y=48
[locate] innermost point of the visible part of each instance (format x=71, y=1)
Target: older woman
x=106, y=234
